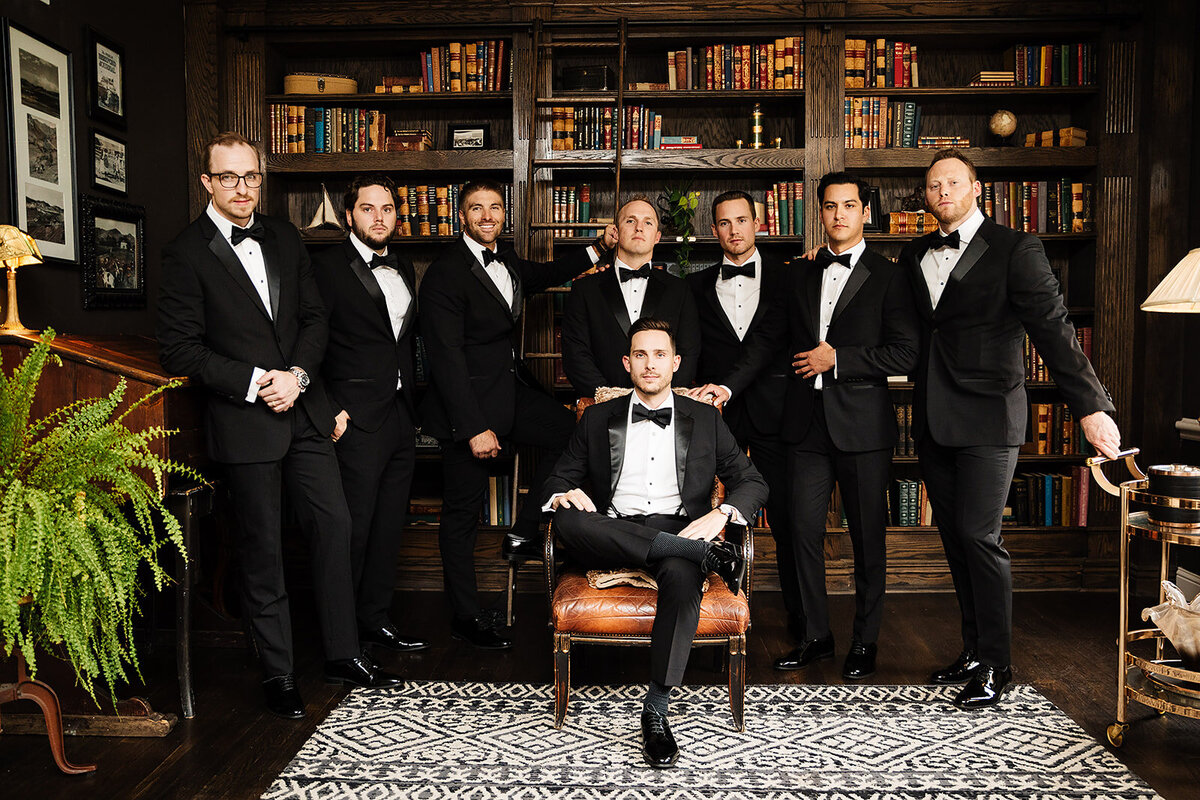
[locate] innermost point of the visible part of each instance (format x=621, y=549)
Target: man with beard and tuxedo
x=648, y=459
x=601, y=307
x=482, y=399
x=734, y=299
x=370, y=295
x=239, y=312
x=980, y=288
x=850, y=321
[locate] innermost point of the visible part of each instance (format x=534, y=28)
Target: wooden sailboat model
x=326, y=224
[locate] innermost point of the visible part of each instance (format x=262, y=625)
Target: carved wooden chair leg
x=512, y=589
x=562, y=676
x=737, y=681
x=44, y=696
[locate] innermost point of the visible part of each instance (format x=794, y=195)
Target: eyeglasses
x=229, y=180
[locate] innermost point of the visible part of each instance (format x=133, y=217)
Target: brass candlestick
x=756, y=127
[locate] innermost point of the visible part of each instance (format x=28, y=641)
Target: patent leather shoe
x=860, y=661
x=658, y=744
x=283, y=699
x=479, y=632
x=359, y=672
x=390, y=638
x=959, y=672
x=725, y=559
x=521, y=548
x=812, y=650
x=985, y=688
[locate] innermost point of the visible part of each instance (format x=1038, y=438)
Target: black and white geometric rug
x=476, y=741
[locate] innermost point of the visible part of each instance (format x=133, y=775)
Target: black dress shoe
x=522, y=548
x=959, y=672
x=860, y=661
x=725, y=559
x=812, y=650
x=985, y=688
x=283, y=699
x=392, y=639
x=658, y=744
x=359, y=672
x=478, y=632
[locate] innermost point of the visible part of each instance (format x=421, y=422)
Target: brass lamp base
x=12, y=323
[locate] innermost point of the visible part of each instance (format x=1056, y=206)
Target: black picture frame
x=107, y=101
x=875, y=223
x=109, y=164
x=470, y=135
x=113, y=277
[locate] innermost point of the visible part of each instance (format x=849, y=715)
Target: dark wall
x=152, y=35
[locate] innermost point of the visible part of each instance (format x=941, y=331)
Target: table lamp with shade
x=17, y=249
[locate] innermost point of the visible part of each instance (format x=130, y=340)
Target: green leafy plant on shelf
x=81, y=511
x=678, y=207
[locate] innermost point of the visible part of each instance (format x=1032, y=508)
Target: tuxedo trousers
x=968, y=488
x=814, y=464
x=377, y=472
x=539, y=422
x=309, y=470
x=769, y=455
x=597, y=541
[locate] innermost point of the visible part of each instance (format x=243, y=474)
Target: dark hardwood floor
x=1065, y=645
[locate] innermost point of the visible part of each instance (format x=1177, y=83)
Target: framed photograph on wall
x=108, y=163
x=41, y=137
x=106, y=80
x=470, y=135
x=114, y=253
x=875, y=224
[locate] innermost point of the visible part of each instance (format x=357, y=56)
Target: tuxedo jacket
x=704, y=447
x=874, y=330
x=214, y=328
x=595, y=328
x=970, y=377
x=364, y=357
x=758, y=410
x=471, y=337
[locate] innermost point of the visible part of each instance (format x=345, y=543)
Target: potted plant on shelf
x=678, y=207
x=81, y=512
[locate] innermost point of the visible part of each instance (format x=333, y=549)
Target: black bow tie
x=489, y=257
x=629, y=274
x=952, y=239
x=733, y=270
x=659, y=416
x=388, y=261
x=825, y=257
x=256, y=232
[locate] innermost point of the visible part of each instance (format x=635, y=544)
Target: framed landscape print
x=42, y=142
x=114, y=256
x=108, y=163
x=106, y=80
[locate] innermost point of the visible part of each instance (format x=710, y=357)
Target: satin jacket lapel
x=270, y=249
x=858, y=276
x=683, y=438
x=765, y=288
x=221, y=248
x=610, y=290
x=518, y=302
x=479, y=272
x=367, y=278
x=410, y=283
x=710, y=295
x=618, y=430
x=656, y=287
x=920, y=288
x=968, y=260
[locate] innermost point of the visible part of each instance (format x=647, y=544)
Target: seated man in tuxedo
x=649, y=459
x=601, y=307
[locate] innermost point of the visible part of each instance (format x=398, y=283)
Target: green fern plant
x=81, y=511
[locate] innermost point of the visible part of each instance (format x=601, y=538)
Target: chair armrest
x=743, y=536
x=551, y=570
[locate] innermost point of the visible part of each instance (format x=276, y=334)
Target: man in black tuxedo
x=980, y=288
x=370, y=295
x=601, y=307
x=483, y=400
x=239, y=312
x=649, y=459
x=851, y=323
x=734, y=299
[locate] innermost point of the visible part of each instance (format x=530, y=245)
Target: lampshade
x=17, y=249
x=1179, y=292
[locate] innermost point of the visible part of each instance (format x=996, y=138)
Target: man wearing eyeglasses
x=239, y=312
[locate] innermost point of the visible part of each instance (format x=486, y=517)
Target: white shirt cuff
x=726, y=388
x=592, y=254
x=735, y=516
x=546, y=509
x=252, y=394
x=835, y=365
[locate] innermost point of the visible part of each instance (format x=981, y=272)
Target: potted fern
x=81, y=512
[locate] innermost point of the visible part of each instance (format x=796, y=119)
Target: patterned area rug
x=482, y=741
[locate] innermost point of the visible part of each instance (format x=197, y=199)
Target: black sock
x=668, y=545
x=657, y=698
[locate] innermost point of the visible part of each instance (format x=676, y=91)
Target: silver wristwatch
x=301, y=377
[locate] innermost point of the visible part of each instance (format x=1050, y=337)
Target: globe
x=1003, y=123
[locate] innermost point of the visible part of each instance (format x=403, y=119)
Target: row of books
x=1054, y=431
x=942, y=142
x=761, y=66
x=1049, y=499
x=785, y=209
x=595, y=128
x=1061, y=137
x=1055, y=64
x=881, y=63
x=909, y=503
x=915, y=222
x=460, y=67
x=873, y=122
x=573, y=204
x=497, y=509
x=1035, y=368
x=427, y=210
x=304, y=129
x=905, y=443
x=1054, y=206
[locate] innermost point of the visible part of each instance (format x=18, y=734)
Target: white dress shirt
x=633, y=290
x=648, y=482
x=937, y=264
x=496, y=270
x=250, y=255
x=833, y=280
x=738, y=296
x=395, y=291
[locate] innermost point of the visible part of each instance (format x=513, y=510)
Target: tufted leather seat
x=629, y=610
